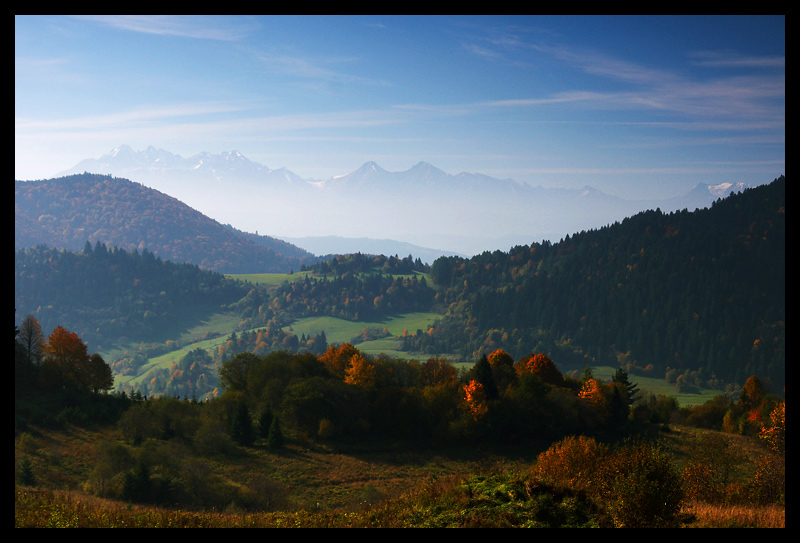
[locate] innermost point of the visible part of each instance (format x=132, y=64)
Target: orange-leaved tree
x=592, y=392
x=541, y=365
x=475, y=396
x=68, y=366
x=337, y=359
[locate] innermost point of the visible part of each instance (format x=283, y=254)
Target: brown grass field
x=312, y=484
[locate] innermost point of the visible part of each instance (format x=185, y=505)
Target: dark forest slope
x=109, y=295
x=700, y=294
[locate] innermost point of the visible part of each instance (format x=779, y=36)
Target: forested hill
x=69, y=211
x=108, y=295
x=697, y=296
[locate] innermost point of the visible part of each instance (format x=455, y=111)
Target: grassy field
x=336, y=331
x=652, y=385
x=219, y=323
x=277, y=279
x=269, y=279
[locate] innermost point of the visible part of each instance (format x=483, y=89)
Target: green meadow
x=659, y=387
x=336, y=331
x=277, y=279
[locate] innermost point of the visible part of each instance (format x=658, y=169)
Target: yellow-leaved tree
x=360, y=372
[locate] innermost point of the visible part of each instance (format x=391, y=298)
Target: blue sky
x=634, y=106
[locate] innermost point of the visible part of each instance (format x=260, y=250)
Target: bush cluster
x=635, y=482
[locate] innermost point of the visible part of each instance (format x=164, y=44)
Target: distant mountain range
x=465, y=213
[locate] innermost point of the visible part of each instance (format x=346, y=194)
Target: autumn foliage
x=541, y=365
x=360, y=372
x=775, y=433
x=337, y=359
x=636, y=481
x=475, y=396
x=68, y=366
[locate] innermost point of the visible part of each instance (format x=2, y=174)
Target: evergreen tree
x=137, y=485
x=482, y=372
x=275, y=438
x=242, y=431
x=617, y=410
x=26, y=477
x=265, y=421
x=632, y=389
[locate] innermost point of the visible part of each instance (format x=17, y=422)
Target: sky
x=638, y=107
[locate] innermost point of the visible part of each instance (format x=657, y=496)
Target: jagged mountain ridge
x=424, y=206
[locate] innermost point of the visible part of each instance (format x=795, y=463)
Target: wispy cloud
x=731, y=59
x=307, y=67
x=124, y=118
x=483, y=52
x=186, y=26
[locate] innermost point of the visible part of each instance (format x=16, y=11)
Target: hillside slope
x=69, y=211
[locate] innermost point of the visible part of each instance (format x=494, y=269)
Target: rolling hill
x=69, y=211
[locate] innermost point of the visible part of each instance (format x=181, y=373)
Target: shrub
x=636, y=482
x=212, y=438
x=642, y=488
x=326, y=429
x=768, y=484
x=573, y=462
x=709, y=474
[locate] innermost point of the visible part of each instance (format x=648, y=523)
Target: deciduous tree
x=66, y=361
x=337, y=359
x=32, y=340
x=99, y=374
x=436, y=371
x=360, y=373
x=475, y=396
x=502, y=369
x=541, y=365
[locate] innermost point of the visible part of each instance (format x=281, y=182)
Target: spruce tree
x=26, y=477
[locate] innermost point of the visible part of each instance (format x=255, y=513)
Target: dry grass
x=735, y=516
x=319, y=484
